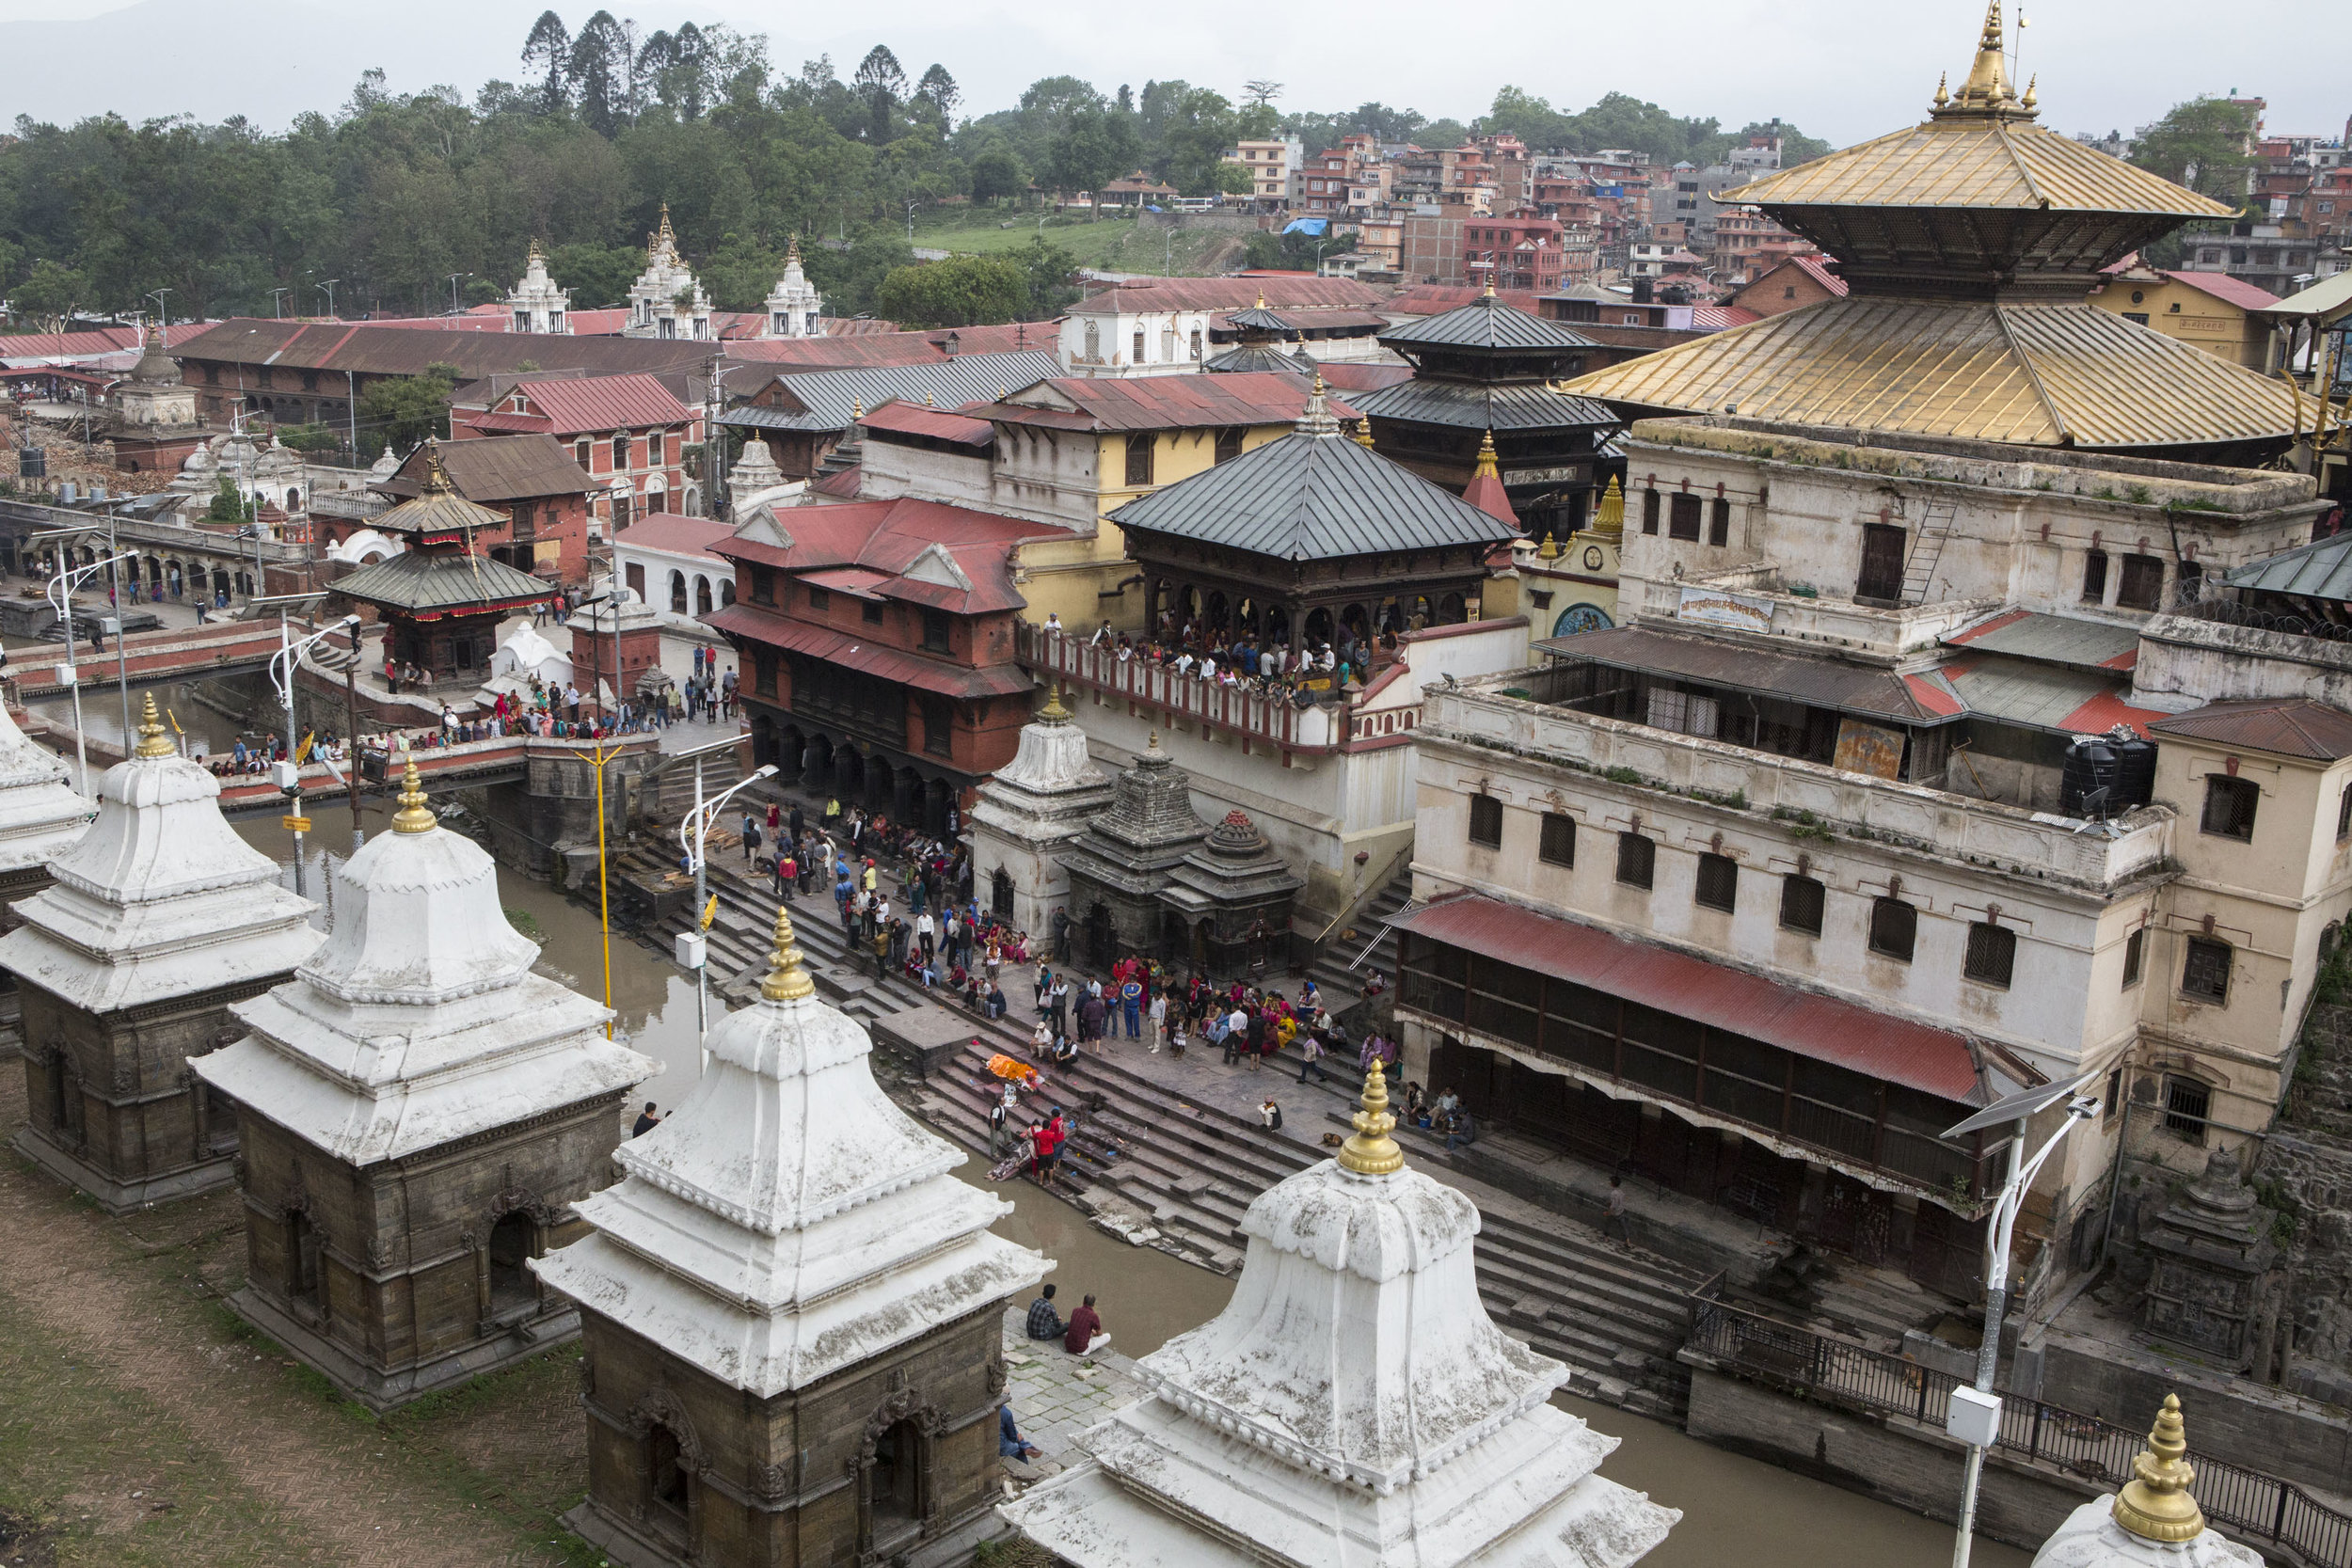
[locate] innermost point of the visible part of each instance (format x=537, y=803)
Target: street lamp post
x=1975, y=1417
x=60, y=592
x=288, y=774
x=698, y=823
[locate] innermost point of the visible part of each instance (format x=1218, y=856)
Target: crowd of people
x=1266, y=665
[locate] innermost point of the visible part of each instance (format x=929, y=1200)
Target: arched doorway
x=513, y=1241
x=702, y=595
x=763, y=740
x=1102, y=938
x=1000, y=893
x=677, y=593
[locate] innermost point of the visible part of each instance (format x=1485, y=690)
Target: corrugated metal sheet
x=595, y=403
x=1855, y=689
x=915, y=420
x=2067, y=640
x=2325, y=299
x=1353, y=376
x=373, y=350
x=1281, y=293
x=859, y=343
x=1979, y=163
x=1819, y=1028
x=1468, y=405
x=865, y=656
x=427, y=585
x=1486, y=322
x=2320, y=571
x=1167, y=402
x=888, y=536
x=493, y=468
x=1253, y=359
x=1312, y=497
x=831, y=398
x=2032, y=374
x=2300, y=728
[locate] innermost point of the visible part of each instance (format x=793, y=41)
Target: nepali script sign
x=1712, y=606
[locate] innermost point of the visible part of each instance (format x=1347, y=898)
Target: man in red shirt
x=1085, y=1334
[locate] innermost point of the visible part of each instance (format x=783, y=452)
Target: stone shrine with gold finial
x=1028, y=810
x=40, y=815
x=2154, y=1522
x=420, y=1112
x=1354, y=1403
x=160, y=917
x=794, y=308
x=791, y=1311
x=666, y=301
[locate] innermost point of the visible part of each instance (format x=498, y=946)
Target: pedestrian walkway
x=1055, y=1396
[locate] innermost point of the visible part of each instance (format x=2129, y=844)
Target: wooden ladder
x=1927, y=550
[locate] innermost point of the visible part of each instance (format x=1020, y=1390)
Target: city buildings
x=628, y=433
x=2211, y=310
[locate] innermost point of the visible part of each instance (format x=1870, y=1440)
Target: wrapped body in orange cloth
x=1013, y=1071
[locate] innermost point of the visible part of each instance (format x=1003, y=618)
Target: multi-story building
x=2261, y=254
x=1269, y=165
x=2211, y=309
x=1791, y=285
x=534, y=494
x=1523, y=251
x=1161, y=326
x=628, y=433
x=1325, y=182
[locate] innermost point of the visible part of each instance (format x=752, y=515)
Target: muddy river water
x=1736, y=1510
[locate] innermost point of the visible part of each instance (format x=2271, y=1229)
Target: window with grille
x=1556, y=846
x=620, y=451
x=2095, y=577
x=1637, y=859
x=935, y=630
x=2344, y=815
x=2187, y=1104
x=2142, y=583
x=1650, y=510
x=1718, y=522
x=580, y=453
x=1718, y=883
x=2229, y=806
x=1801, y=902
x=763, y=585
x=2205, y=974
x=1138, y=459
x=2134, y=952
x=1894, y=928
x=1486, y=823
x=819, y=599
x=1684, y=712
x=1991, y=954
x=1682, y=521
x=1228, y=443
x=870, y=610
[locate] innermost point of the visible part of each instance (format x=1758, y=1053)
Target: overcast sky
x=1842, y=70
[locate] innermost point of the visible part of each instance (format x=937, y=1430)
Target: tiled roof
x=2007, y=164
x=2296, y=727
x=1816, y=268
x=494, y=469
x=892, y=347
x=1486, y=322
x=828, y=400
x=1468, y=405
x=2321, y=570
x=1308, y=497
x=1159, y=402
x=2038, y=374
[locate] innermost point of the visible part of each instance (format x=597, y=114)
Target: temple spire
x=1988, y=89
x=1609, y=516
x=2154, y=1504
x=152, y=742
x=414, y=815
x=1316, y=418
x=1371, y=1152
x=787, y=980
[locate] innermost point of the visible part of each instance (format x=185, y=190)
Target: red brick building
x=530, y=483
x=875, y=646
x=1795, y=283
x=1521, y=252
x=628, y=433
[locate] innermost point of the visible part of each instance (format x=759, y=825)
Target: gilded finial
x=1942, y=94
x=435, y=475
x=787, y=980
x=1363, y=433
x=1549, y=549
x=1486, y=468
x=927, y=400
x=414, y=815
x=1261, y=299
x=1320, y=389
x=1053, y=712
x=152, y=742
x=792, y=249
x=857, y=410
x=1491, y=287
x=2154, y=1504
x=1609, y=517
x=2031, y=97
x=1371, y=1152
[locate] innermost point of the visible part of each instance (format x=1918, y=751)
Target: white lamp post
x=61, y=587
x=287, y=775
x=1975, y=1417
x=693, y=827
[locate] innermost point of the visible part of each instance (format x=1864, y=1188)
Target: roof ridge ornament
x=2155, y=1504
x=1609, y=516
x=1053, y=712
x=1988, y=92
x=437, y=481
x=788, y=978
x=1487, y=468
x=151, y=742
x=1316, y=420
x=1370, y=1152
x=414, y=815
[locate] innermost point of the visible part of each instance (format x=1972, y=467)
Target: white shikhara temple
x=795, y=309
x=1029, y=810
x=666, y=301
x=41, y=814
x=1352, y=1404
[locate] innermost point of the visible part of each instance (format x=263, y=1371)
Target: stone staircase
x=1178, y=1176
x=1331, y=970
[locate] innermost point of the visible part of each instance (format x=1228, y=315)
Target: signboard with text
x=1713, y=606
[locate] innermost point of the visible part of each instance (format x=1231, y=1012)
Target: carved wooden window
x=2230, y=805
x=2143, y=585
x=1683, y=520
x=2205, y=974
x=1991, y=954
x=1801, y=902
x=1485, y=821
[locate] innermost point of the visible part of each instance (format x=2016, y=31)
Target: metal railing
x=2257, y=1507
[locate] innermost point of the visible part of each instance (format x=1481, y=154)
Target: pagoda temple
x=441, y=599
x=1261, y=344
x=791, y=1309
x=1968, y=244
x=160, y=918
x=420, y=1112
x=1487, y=373
x=1353, y=1404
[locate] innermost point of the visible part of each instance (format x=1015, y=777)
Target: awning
x=1821, y=1028
x=868, y=658
x=1864, y=690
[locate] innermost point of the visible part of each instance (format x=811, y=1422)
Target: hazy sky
x=1843, y=70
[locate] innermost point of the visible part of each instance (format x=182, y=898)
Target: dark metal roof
x=2323, y=571
x=1259, y=319
x=1478, y=406
x=1864, y=691
x=1807, y=1023
x=1251, y=358
x=1486, y=322
x=1161, y=401
x=1312, y=496
x=427, y=585
x=2294, y=728
x=491, y=469
x=830, y=398
x=368, y=350
x=2068, y=640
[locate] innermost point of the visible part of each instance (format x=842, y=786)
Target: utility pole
x=911, y=206
x=452, y=290
x=327, y=288
x=276, y=303
x=351, y=742
x=714, y=443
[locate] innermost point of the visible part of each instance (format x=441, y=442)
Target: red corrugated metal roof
x=1816, y=268
x=1436, y=299
x=1934, y=696
x=1821, y=1028
x=676, y=533
x=1280, y=290
x=505, y=423
x=2106, y=710
x=2294, y=727
x=1716, y=318
x=2229, y=290
x=868, y=658
x=593, y=405
x=1343, y=376
x=914, y=418
x=1165, y=401
x=890, y=536
x=894, y=348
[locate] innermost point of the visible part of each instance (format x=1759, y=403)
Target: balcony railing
x=1275, y=718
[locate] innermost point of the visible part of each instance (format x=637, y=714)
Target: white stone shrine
x=41, y=814
x=538, y=304
x=2152, y=1522
x=1352, y=1404
x=794, y=307
x=1034, y=805
x=666, y=301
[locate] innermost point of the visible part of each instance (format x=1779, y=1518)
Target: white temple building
x=789, y=1286
x=666, y=301
x=794, y=307
x=41, y=814
x=159, y=918
x=538, y=304
x=2152, y=1522
x=1029, y=810
x=1352, y=1404
x=419, y=1112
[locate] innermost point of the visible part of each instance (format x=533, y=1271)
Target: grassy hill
x=1114, y=245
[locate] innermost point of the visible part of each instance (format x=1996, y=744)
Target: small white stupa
x=41, y=814
x=2152, y=1522
x=666, y=301
x=794, y=307
x=526, y=653
x=1352, y=1404
x=1040, y=802
x=538, y=304
x=160, y=918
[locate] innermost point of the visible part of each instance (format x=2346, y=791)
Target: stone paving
x=1055, y=1396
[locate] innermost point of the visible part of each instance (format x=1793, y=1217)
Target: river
x=1734, y=1510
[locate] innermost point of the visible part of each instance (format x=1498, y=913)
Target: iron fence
x=2260, y=1508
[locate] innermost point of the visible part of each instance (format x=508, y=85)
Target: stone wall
x=2306, y=1173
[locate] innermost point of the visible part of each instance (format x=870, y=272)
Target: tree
x=48, y=294
x=996, y=173
x=1261, y=93
x=547, y=53
x=2206, y=143
x=852, y=278
x=400, y=413
x=227, y=504
x=1234, y=179
x=882, y=82
x=961, y=291
x=1095, y=146
x=599, y=72
x=938, y=90
x=1048, y=269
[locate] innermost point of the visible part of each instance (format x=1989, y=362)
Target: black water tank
x=32, y=463
x=2087, y=785
x=2135, y=770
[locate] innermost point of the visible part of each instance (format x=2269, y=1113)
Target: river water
x=1734, y=1510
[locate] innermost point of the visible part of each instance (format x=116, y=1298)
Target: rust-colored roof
x=674, y=533
x=913, y=419
x=921, y=547
x=1807, y=1023
x=1160, y=402
x=492, y=468
x=1354, y=375
x=895, y=348
x=2296, y=727
x=369, y=349
x=2232, y=290
x=595, y=403
x=755, y=625
x=1436, y=299
x=2035, y=375
x=1278, y=291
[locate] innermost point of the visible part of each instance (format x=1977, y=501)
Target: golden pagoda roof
x=2036, y=375
x=438, y=508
